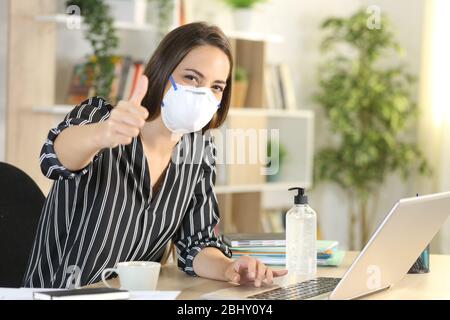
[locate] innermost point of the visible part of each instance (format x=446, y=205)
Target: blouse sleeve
x=92, y=110
x=197, y=229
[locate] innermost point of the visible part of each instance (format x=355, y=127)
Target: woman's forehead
x=210, y=61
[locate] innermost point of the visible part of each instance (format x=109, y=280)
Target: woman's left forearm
x=211, y=263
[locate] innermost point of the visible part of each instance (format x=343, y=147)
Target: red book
x=138, y=70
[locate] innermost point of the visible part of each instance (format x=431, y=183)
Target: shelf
x=269, y=186
x=264, y=112
x=63, y=109
x=254, y=36
x=57, y=109
x=64, y=19
x=124, y=25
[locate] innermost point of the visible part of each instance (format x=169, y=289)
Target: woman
x=130, y=178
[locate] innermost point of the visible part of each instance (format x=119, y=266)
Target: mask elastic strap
x=174, y=87
x=173, y=83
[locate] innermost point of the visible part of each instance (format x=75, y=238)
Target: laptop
x=389, y=254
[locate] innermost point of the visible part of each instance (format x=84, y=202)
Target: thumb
x=139, y=91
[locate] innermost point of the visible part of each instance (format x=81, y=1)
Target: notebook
x=83, y=294
x=254, y=239
x=324, y=247
x=269, y=241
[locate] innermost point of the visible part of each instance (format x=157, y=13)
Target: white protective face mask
x=186, y=109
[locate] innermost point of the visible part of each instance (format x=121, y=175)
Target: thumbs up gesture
x=126, y=119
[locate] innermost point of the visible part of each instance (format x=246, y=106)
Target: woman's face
x=204, y=66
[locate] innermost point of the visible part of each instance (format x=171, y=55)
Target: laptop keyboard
x=300, y=291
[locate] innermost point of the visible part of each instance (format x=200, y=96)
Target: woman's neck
x=157, y=137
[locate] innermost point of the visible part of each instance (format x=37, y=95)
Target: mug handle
x=104, y=272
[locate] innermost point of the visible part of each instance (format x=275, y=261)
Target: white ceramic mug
x=135, y=275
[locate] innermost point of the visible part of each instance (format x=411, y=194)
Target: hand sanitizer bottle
x=301, y=253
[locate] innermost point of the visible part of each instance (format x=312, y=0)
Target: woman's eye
x=218, y=88
x=189, y=77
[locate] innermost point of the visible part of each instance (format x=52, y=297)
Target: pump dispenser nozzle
x=300, y=198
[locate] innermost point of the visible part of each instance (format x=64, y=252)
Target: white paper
x=19, y=293
x=27, y=294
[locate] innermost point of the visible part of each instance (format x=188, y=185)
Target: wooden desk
x=434, y=285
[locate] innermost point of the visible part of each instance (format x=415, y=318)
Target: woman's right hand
x=126, y=119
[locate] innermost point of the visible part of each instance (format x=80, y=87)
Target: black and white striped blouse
x=106, y=212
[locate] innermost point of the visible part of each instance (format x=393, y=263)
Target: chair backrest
x=21, y=202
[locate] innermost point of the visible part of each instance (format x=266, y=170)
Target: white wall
x=3, y=70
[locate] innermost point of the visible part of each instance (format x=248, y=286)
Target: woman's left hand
x=247, y=269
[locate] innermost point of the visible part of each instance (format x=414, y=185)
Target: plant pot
x=242, y=19
x=239, y=94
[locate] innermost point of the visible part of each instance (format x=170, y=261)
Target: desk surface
x=434, y=285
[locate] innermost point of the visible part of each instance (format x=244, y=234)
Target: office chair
x=21, y=202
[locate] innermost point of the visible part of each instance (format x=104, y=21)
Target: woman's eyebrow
x=202, y=76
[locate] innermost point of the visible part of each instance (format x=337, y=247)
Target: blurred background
x=352, y=95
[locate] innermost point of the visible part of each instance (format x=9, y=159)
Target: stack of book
x=126, y=74
x=270, y=248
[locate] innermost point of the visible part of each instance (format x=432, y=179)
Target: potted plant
x=101, y=34
x=276, y=161
x=370, y=107
x=239, y=87
x=242, y=13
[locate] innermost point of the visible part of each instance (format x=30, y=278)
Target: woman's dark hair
x=169, y=53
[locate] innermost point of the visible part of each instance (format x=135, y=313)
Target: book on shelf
x=80, y=86
x=270, y=97
x=279, y=87
x=265, y=223
x=288, y=90
x=126, y=64
x=272, y=87
x=138, y=70
x=126, y=74
x=118, y=62
x=273, y=221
